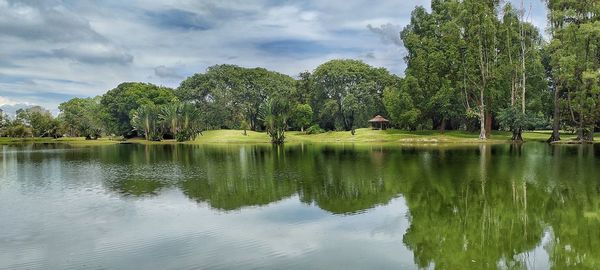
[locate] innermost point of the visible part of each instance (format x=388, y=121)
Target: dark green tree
x=227, y=95
x=119, y=104
x=302, y=115
x=339, y=85
x=82, y=117
x=574, y=62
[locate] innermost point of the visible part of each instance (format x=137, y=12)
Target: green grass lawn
x=364, y=135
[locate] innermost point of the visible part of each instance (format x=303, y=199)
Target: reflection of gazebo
x=378, y=122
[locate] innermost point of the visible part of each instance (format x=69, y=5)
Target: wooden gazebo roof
x=378, y=119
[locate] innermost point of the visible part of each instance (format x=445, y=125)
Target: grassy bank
x=79, y=141
x=364, y=136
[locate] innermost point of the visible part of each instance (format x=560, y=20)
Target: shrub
x=314, y=129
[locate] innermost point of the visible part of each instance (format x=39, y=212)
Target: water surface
x=299, y=207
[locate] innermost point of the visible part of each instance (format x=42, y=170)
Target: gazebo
x=378, y=122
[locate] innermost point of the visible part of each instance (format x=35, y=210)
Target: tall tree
x=520, y=70
x=480, y=34
x=433, y=41
x=575, y=61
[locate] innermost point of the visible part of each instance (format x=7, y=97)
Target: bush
x=186, y=135
x=314, y=129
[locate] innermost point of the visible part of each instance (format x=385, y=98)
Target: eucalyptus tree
x=520, y=70
x=481, y=54
x=575, y=61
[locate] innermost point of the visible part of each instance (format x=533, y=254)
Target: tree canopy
x=471, y=65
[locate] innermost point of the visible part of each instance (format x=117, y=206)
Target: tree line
x=471, y=65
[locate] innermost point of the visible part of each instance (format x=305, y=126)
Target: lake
x=134, y=206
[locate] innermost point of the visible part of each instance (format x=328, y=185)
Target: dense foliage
x=81, y=117
x=574, y=65
x=120, y=103
x=471, y=65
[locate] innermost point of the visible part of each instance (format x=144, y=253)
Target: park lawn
x=361, y=136
x=366, y=135
x=231, y=136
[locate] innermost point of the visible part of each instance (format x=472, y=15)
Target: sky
x=54, y=50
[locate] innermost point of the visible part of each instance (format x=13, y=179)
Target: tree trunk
x=517, y=135
x=443, y=125
x=488, y=124
x=482, y=135
x=556, y=121
x=584, y=135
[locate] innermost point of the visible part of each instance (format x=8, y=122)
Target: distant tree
x=228, y=95
x=18, y=130
x=343, y=83
x=119, y=104
x=40, y=120
x=4, y=121
x=302, y=116
x=304, y=90
x=82, y=117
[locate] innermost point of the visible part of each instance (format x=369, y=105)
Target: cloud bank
x=54, y=50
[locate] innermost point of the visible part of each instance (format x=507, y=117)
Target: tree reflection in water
x=475, y=207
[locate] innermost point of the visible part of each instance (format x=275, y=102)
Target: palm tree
x=169, y=114
x=274, y=114
x=144, y=120
x=189, y=121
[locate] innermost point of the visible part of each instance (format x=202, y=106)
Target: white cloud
x=7, y=101
x=54, y=50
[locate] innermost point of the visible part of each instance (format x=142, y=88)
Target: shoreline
x=362, y=136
